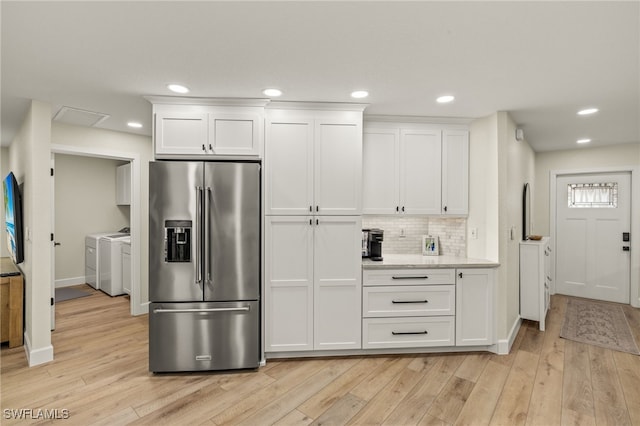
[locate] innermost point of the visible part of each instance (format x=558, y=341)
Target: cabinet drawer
x=408, y=332
x=409, y=301
x=374, y=277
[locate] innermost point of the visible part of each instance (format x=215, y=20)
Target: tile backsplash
x=451, y=233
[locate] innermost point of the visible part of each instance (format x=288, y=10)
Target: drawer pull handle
x=423, y=277
x=400, y=333
x=409, y=301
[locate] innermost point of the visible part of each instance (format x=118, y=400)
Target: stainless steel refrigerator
x=204, y=265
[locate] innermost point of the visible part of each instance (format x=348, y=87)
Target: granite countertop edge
x=416, y=261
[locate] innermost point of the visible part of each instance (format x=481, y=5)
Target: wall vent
x=80, y=117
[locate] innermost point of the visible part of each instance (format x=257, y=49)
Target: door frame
x=634, y=283
x=137, y=307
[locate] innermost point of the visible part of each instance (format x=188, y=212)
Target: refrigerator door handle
x=207, y=230
x=189, y=311
x=198, y=230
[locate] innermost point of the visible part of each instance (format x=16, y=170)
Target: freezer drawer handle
x=410, y=301
x=424, y=277
x=186, y=311
x=400, y=333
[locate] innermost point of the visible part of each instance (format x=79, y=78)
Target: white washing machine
x=110, y=263
x=91, y=253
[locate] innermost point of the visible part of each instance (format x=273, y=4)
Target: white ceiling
x=541, y=61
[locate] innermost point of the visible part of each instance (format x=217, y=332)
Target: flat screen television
x=13, y=217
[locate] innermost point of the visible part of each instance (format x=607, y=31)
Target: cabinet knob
x=459, y=274
x=317, y=208
x=397, y=208
x=445, y=209
x=402, y=209
x=203, y=148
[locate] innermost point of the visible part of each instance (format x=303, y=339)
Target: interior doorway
x=136, y=306
x=593, y=231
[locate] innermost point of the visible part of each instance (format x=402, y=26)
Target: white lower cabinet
x=313, y=283
x=475, y=320
x=412, y=332
x=535, y=280
x=407, y=308
x=413, y=308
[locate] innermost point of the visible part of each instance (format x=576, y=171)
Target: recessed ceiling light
x=272, y=92
x=585, y=140
x=178, y=88
x=588, y=111
x=134, y=124
x=445, y=99
x=359, y=94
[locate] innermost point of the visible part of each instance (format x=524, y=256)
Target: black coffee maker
x=374, y=239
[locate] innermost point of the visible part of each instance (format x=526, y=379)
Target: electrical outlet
x=474, y=233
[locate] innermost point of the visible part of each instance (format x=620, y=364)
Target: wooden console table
x=11, y=303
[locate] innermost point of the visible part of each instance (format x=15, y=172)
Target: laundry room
x=91, y=225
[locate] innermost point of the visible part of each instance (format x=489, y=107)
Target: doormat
x=599, y=324
x=67, y=293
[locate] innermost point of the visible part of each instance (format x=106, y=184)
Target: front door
x=593, y=218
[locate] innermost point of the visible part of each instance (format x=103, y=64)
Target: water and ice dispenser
x=177, y=241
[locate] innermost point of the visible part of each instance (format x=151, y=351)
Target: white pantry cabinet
x=123, y=185
x=475, y=313
x=313, y=162
x=535, y=280
x=203, y=128
x=313, y=283
x=415, y=169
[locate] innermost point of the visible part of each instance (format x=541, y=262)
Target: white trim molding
x=37, y=356
x=634, y=283
x=68, y=282
x=504, y=345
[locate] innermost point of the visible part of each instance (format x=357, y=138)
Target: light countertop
x=418, y=261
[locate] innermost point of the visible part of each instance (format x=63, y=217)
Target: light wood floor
x=100, y=375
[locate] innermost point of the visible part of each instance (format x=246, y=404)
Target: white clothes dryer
x=110, y=263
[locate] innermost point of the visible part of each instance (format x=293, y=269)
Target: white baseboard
x=504, y=346
x=68, y=282
x=37, y=356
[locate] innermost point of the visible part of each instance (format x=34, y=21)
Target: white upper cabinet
x=289, y=166
x=415, y=169
x=380, y=171
x=211, y=128
x=420, y=171
x=338, y=167
x=455, y=172
x=234, y=134
x=313, y=162
x=123, y=185
x=179, y=133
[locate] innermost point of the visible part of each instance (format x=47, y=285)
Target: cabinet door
x=234, y=134
x=474, y=307
x=289, y=167
x=123, y=185
x=182, y=133
x=337, y=282
x=380, y=175
x=455, y=172
x=338, y=168
x=289, y=284
x=420, y=183
x=126, y=268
